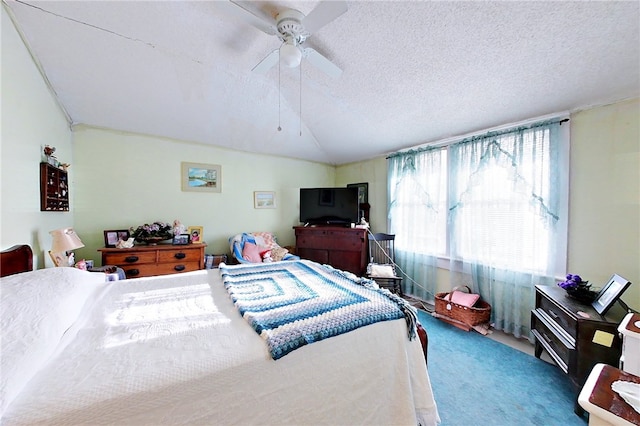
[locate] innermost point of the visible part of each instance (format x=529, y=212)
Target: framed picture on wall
x=264, y=200
x=363, y=191
x=199, y=177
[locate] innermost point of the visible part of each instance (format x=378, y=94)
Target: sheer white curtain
x=506, y=217
x=417, y=215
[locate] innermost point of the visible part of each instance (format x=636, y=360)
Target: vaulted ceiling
x=412, y=72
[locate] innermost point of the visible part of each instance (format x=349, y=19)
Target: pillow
x=251, y=253
x=265, y=239
x=278, y=253
x=464, y=299
x=381, y=271
x=37, y=308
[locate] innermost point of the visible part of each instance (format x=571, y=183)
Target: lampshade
x=290, y=55
x=65, y=239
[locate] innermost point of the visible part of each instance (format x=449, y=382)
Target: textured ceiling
x=413, y=72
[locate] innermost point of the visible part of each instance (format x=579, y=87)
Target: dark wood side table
x=574, y=334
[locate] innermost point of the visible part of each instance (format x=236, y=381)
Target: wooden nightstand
x=574, y=334
x=161, y=259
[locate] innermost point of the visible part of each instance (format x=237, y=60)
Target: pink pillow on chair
x=251, y=253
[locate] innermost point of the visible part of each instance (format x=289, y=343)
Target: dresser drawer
x=562, y=351
x=559, y=316
x=125, y=258
x=147, y=270
x=179, y=256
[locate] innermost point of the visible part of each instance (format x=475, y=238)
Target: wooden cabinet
x=161, y=259
x=54, y=189
x=574, y=334
x=342, y=248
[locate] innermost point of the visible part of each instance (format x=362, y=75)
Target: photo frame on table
x=264, y=200
x=363, y=191
x=181, y=239
x=610, y=293
x=195, y=234
x=112, y=236
x=200, y=177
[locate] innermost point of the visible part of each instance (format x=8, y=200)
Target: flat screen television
x=329, y=206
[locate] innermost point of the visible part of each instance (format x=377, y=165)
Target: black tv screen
x=328, y=206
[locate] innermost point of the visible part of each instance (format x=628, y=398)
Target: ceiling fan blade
x=248, y=13
x=322, y=14
x=268, y=62
x=322, y=63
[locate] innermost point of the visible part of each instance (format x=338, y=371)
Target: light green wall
x=31, y=118
x=604, y=204
x=124, y=180
x=373, y=172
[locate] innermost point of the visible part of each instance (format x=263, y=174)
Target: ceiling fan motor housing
x=289, y=24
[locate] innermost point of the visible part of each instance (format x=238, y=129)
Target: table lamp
x=64, y=240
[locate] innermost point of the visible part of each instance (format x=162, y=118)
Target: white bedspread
x=174, y=350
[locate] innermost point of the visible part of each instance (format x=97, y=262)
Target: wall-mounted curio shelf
x=54, y=189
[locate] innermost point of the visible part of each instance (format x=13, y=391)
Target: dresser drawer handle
x=553, y=314
x=544, y=335
x=180, y=255
x=131, y=259
x=179, y=267
x=133, y=272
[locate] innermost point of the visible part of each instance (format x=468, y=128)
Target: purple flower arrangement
x=155, y=230
x=578, y=289
x=573, y=282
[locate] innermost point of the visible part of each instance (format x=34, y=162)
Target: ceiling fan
x=293, y=28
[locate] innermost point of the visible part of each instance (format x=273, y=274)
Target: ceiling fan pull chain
x=279, y=128
x=301, y=99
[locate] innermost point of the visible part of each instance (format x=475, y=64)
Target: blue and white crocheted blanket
x=295, y=303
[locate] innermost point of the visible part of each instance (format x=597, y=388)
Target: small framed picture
x=197, y=177
x=181, y=240
x=264, y=200
x=610, y=293
x=195, y=232
x=111, y=237
x=363, y=191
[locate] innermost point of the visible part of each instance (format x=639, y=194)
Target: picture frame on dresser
x=610, y=293
x=181, y=240
x=112, y=236
x=195, y=233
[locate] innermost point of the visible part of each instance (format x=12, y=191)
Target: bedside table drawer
x=566, y=322
x=559, y=349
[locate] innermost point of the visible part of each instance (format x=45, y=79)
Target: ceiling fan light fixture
x=290, y=55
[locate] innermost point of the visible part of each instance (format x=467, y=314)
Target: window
x=498, y=199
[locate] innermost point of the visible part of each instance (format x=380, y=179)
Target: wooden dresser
x=161, y=259
x=574, y=334
x=341, y=247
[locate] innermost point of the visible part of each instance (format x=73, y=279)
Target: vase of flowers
x=578, y=289
x=152, y=233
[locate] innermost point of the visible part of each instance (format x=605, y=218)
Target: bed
x=174, y=349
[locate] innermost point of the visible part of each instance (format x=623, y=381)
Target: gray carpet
x=478, y=381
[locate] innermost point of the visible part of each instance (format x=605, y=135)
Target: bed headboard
x=16, y=259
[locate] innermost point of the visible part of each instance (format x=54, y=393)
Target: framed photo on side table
x=610, y=293
x=111, y=237
x=195, y=233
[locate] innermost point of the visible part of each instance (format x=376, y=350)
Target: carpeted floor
x=478, y=381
